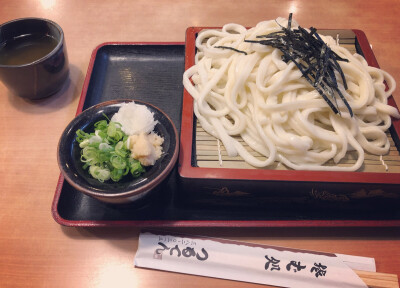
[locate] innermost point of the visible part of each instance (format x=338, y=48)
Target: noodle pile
x=248, y=91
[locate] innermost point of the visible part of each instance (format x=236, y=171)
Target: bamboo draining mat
x=210, y=152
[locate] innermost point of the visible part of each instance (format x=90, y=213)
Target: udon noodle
x=276, y=111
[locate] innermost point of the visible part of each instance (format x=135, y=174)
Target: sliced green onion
x=100, y=125
x=117, y=174
x=90, y=155
x=95, y=139
x=102, y=134
x=105, y=147
x=112, y=129
x=120, y=149
x=81, y=136
x=101, y=174
x=118, y=162
x=105, y=152
x=135, y=167
x=84, y=143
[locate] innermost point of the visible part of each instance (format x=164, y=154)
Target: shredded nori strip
x=231, y=48
x=316, y=61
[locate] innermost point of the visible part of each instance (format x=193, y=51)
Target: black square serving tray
x=152, y=72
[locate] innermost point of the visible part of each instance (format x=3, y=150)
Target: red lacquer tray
x=152, y=72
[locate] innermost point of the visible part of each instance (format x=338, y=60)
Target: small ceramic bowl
x=128, y=189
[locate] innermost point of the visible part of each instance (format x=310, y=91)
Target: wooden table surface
x=35, y=251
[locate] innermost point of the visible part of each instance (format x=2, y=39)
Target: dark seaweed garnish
x=231, y=48
x=316, y=61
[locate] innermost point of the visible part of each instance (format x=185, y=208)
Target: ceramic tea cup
x=33, y=57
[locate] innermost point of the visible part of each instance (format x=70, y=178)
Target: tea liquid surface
x=26, y=49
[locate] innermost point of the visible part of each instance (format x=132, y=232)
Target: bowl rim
x=143, y=188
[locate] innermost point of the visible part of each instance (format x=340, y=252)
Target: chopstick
x=378, y=280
